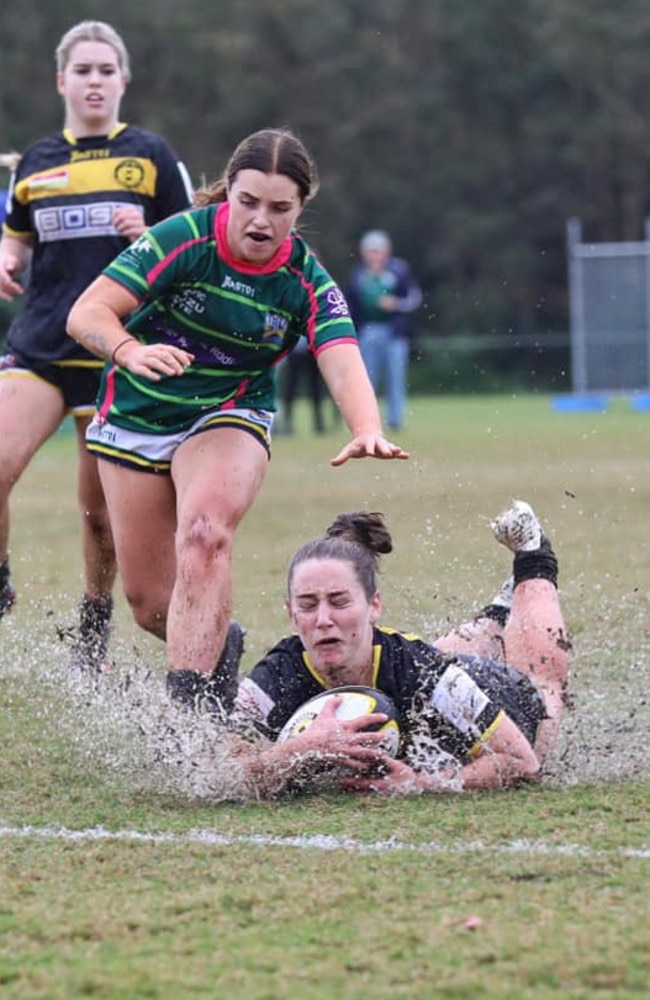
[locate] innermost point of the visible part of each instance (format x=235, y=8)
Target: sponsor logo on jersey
x=129, y=174
x=275, y=328
x=336, y=303
x=240, y=287
x=107, y=435
x=190, y=302
x=141, y=245
x=459, y=699
x=221, y=357
x=53, y=180
x=82, y=155
x=69, y=222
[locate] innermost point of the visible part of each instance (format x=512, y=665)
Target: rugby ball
x=356, y=701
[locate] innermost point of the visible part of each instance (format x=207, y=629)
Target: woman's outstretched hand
x=369, y=446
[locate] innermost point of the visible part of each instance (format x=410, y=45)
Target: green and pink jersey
x=238, y=320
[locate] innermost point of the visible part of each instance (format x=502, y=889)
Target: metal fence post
x=577, y=307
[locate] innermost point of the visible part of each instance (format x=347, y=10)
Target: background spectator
x=382, y=293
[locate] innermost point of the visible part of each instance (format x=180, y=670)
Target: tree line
x=471, y=131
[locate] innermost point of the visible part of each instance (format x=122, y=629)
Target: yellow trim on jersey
x=487, y=735
x=70, y=137
x=395, y=631
x=104, y=173
x=376, y=662
x=312, y=670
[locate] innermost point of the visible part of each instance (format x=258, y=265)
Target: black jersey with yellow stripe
x=459, y=700
x=63, y=197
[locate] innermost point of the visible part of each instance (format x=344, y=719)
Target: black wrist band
x=127, y=340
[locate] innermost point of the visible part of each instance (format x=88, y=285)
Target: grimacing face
x=334, y=619
x=264, y=208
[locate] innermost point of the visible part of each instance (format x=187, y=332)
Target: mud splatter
x=122, y=725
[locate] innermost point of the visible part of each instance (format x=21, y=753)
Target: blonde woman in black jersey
x=77, y=198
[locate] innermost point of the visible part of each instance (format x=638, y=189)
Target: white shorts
x=154, y=452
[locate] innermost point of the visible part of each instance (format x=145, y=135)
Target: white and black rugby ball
x=355, y=701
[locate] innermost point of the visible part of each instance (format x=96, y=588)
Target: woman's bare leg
x=217, y=475
x=535, y=634
x=536, y=642
x=100, y=568
x=98, y=548
x=483, y=635
x=30, y=412
x=142, y=510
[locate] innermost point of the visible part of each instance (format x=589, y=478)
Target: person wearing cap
x=382, y=294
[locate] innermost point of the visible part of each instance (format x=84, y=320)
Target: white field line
x=319, y=842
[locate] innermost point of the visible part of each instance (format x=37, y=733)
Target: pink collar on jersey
x=278, y=260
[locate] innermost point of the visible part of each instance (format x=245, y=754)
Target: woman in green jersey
x=193, y=320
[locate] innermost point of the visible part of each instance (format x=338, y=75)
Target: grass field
x=119, y=883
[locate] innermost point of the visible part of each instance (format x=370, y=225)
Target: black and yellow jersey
x=456, y=700
x=62, y=198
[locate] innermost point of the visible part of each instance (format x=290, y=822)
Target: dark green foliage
x=471, y=131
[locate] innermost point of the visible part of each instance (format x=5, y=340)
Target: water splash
x=122, y=725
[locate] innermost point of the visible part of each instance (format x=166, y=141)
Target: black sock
x=216, y=692
x=4, y=573
x=540, y=564
x=199, y=692
x=95, y=616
